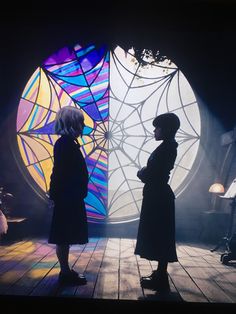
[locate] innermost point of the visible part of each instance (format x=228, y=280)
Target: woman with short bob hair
x=156, y=232
x=69, y=121
x=68, y=188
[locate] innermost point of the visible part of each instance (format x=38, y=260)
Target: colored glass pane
x=119, y=97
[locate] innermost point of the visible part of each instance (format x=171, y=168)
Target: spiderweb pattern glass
x=119, y=98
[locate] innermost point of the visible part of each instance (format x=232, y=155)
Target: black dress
x=68, y=188
x=156, y=232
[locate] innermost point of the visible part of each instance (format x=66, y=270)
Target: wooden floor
x=30, y=268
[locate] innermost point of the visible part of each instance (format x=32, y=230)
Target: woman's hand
x=140, y=172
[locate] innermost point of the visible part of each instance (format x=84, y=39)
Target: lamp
x=217, y=188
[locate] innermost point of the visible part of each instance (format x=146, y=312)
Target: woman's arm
x=159, y=166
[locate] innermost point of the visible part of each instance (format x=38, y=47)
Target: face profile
x=158, y=134
x=166, y=126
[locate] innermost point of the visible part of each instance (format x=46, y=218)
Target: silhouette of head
x=169, y=124
x=70, y=121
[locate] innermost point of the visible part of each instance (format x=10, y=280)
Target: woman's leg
x=62, y=252
x=67, y=276
x=162, y=267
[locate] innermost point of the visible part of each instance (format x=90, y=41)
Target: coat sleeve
x=69, y=176
x=158, y=166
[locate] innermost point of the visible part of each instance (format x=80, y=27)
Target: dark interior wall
x=199, y=38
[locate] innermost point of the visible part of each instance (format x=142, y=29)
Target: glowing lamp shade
x=216, y=188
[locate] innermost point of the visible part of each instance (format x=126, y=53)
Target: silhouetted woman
x=68, y=188
x=156, y=232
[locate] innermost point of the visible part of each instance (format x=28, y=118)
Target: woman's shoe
x=153, y=274
x=71, y=278
x=77, y=274
x=158, y=282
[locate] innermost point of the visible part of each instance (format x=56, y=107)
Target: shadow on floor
x=170, y=297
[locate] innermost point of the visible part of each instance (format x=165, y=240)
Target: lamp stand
x=225, y=240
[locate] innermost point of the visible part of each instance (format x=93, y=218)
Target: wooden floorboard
x=30, y=268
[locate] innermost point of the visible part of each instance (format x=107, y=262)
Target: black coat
x=68, y=188
x=156, y=232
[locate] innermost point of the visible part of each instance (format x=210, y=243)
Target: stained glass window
x=119, y=95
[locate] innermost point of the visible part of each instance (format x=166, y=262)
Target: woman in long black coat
x=68, y=188
x=156, y=233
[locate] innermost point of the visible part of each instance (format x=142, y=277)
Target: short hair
x=169, y=124
x=68, y=118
